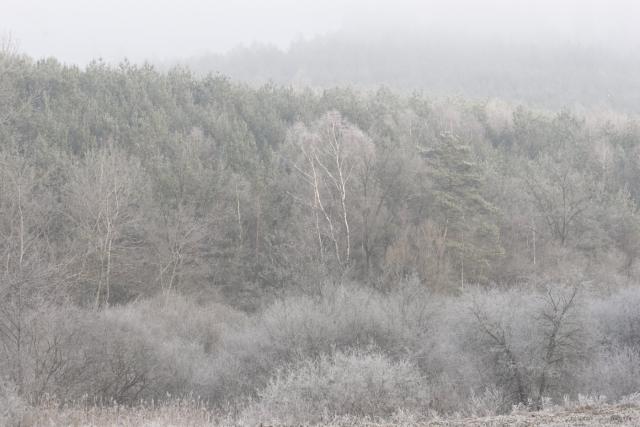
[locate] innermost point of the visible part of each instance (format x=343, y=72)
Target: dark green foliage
x=455, y=203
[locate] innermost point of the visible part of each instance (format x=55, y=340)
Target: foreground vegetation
x=299, y=256
x=585, y=412
x=342, y=351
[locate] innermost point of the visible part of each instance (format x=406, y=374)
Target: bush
x=491, y=401
x=342, y=317
x=12, y=408
x=614, y=373
x=155, y=347
x=355, y=383
x=143, y=350
x=618, y=318
x=479, y=354
x=37, y=356
x=338, y=318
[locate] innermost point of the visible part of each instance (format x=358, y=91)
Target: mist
x=341, y=213
x=77, y=31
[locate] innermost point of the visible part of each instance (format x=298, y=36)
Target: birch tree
x=104, y=203
x=327, y=158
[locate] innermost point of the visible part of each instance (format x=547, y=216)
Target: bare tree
x=104, y=203
x=561, y=336
x=330, y=156
x=176, y=238
x=34, y=278
x=532, y=343
x=560, y=194
x=499, y=344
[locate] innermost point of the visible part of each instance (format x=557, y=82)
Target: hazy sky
x=79, y=30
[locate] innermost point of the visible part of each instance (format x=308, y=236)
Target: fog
x=297, y=212
x=77, y=31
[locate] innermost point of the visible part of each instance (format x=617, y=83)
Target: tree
x=560, y=193
x=105, y=201
x=186, y=183
x=463, y=220
x=529, y=344
x=327, y=159
x=35, y=279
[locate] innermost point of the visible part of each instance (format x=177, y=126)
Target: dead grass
x=184, y=412
x=191, y=413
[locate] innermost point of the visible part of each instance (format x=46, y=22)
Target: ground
x=180, y=414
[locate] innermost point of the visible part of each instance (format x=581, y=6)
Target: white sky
x=80, y=30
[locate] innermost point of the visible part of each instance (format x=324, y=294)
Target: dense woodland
x=167, y=233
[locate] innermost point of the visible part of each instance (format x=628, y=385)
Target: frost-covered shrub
x=144, y=350
x=355, y=383
x=345, y=317
x=618, y=318
x=338, y=318
x=12, y=407
x=491, y=401
x=613, y=373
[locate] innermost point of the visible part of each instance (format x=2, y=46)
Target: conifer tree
x=468, y=237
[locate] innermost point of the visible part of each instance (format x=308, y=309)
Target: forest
x=294, y=254
x=548, y=73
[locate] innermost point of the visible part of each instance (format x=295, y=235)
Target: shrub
x=143, y=350
x=338, y=318
x=614, y=373
x=155, y=347
x=355, y=383
x=37, y=358
x=618, y=318
x=479, y=354
x=343, y=317
x=12, y=408
x=491, y=401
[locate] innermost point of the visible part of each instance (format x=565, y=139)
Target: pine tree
x=468, y=237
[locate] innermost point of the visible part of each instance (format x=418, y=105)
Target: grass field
x=188, y=413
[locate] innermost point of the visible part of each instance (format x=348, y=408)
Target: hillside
x=540, y=74
x=288, y=253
